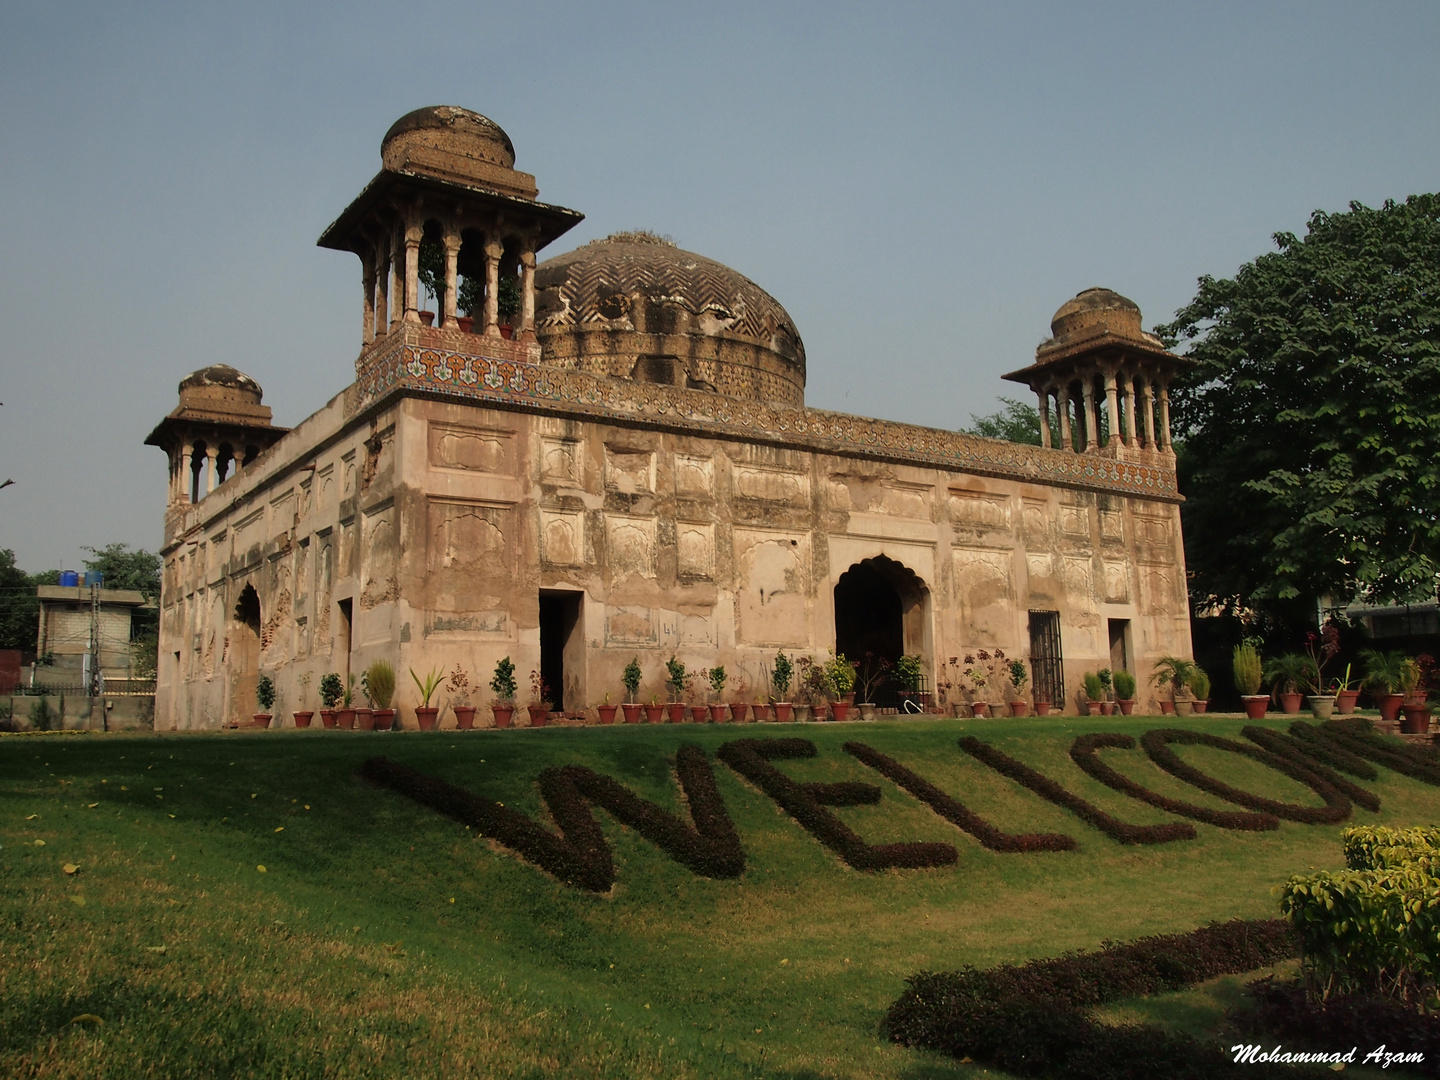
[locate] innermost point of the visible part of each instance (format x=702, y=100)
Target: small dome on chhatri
x=451, y=129
x=1094, y=312
x=220, y=382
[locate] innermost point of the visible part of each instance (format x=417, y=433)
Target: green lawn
x=385, y=940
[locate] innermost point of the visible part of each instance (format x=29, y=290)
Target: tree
x=19, y=606
x=1017, y=422
x=1306, y=437
x=127, y=568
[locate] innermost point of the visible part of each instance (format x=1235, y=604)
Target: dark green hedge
x=1287, y=746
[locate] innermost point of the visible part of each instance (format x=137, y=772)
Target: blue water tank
x=69, y=578
x=94, y=577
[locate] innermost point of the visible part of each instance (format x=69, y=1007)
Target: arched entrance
x=242, y=656
x=880, y=608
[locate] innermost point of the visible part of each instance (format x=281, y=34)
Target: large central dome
x=636, y=306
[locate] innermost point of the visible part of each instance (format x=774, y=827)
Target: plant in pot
x=606, y=710
x=1171, y=672
x=331, y=691
x=1289, y=676
x=502, y=685
x=1415, y=686
x=630, y=679
x=716, y=676
x=1093, y=691
x=345, y=716
x=814, y=690
x=781, y=672
x=1321, y=648
x=676, y=679
x=507, y=303
x=1107, y=703
x=265, y=698
x=303, y=716
x=425, y=713
x=873, y=672
x=1249, y=674
x=457, y=686
x=381, y=678
x=365, y=714
x=1125, y=692
x=1347, y=692
x=910, y=675
x=542, y=705
x=1018, y=678
x=1383, y=672
x=739, y=702
x=655, y=710
x=1199, y=684
x=840, y=674
x=975, y=671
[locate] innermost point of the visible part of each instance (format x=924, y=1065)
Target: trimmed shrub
x=1358, y=736
x=955, y=812
x=1048, y=789
x=1378, y=847
x=751, y=759
x=1331, y=753
x=1083, y=751
x=1337, y=807
x=1287, y=746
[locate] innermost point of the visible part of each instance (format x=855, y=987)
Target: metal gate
x=1047, y=668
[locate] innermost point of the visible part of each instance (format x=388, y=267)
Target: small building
x=79, y=626
x=609, y=456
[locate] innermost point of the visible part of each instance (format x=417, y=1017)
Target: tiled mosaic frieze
x=502, y=382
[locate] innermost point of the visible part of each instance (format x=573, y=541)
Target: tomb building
x=607, y=455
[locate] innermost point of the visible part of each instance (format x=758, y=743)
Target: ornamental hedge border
x=751, y=759
x=955, y=812
x=1359, y=737
x=1337, y=807
x=1330, y=752
x=1030, y=1020
x=1083, y=751
x=580, y=856
x=1287, y=746
x=1048, y=789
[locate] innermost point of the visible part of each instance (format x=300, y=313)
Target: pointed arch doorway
x=880, y=608
x=242, y=656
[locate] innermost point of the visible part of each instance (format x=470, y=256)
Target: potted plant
x=1018, y=678
x=781, y=672
x=654, y=711
x=717, y=689
x=1094, y=690
x=1124, y=692
x=425, y=713
x=1414, y=686
x=265, y=698
x=1320, y=648
x=345, y=715
x=1107, y=703
x=380, y=677
x=606, y=710
x=739, y=703
x=1173, y=672
x=630, y=678
x=1200, y=686
x=331, y=691
x=814, y=690
x=365, y=714
x=542, y=706
x=303, y=717
x=910, y=674
x=1249, y=674
x=1289, y=676
x=676, y=679
x=975, y=671
x=840, y=674
x=502, y=685
x=1347, y=693
x=457, y=687
x=507, y=303
x=1383, y=672
x=874, y=670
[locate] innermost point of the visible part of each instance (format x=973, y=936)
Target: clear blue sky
x=920, y=185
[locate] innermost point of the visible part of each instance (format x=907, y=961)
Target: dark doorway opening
x=1046, y=665
x=1119, y=644
x=342, y=636
x=242, y=659
x=562, y=655
x=880, y=610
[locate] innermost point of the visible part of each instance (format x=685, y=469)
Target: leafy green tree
x=19, y=607
x=1017, y=422
x=127, y=568
x=1307, y=436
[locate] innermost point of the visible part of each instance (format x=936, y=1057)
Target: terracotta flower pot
x=464, y=717
x=1345, y=701
x=717, y=713
x=784, y=711
x=820, y=711
x=1019, y=708
x=1201, y=706
x=327, y=717
x=699, y=713
x=607, y=713
x=839, y=710
x=1416, y=719
x=1255, y=705
x=631, y=711
x=1167, y=708
x=364, y=719
x=507, y=332
x=1322, y=706
x=345, y=719
x=1184, y=708
x=654, y=714
x=761, y=709
x=302, y=719
x=467, y=323
x=384, y=719
x=1389, y=705
x=427, y=317
x=539, y=714
x=1042, y=708
x=1290, y=703
x=262, y=719
x=980, y=709
x=425, y=717
x=738, y=710
x=504, y=715
x=675, y=710
x=1107, y=708
x=1127, y=705
x=1092, y=708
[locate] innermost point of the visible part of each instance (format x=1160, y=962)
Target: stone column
x=211, y=465
x=397, y=262
x=1149, y=389
x=1112, y=404
x=367, y=277
x=186, y=449
x=527, y=291
x=1165, y=416
x=1044, y=397
x=413, y=234
x=1129, y=410
x=452, y=277
x=239, y=456
x=382, y=292
x=1092, y=429
x=1062, y=408
x=494, y=248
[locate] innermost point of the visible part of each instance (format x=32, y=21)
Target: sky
x=921, y=185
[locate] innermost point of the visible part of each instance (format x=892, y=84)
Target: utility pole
x=95, y=684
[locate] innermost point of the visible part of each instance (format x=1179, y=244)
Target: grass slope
x=383, y=940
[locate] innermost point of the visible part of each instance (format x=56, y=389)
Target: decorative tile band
x=407, y=367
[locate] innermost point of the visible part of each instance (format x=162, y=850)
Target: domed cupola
x=636, y=306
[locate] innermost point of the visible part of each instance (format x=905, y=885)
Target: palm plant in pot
x=1172, y=672
x=502, y=685
x=1200, y=686
x=542, y=705
x=303, y=716
x=380, y=677
x=677, y=679
x=716, y=675
x=1383, y=672
x=265, y=698
x=1289, y=676
x=425, y=713
x=331, y=691
x=1249, y=674
x=457, y=687
x=630, y=679
x=781, y=672
x=1124, y=692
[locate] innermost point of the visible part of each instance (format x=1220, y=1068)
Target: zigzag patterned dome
x=636, y=306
